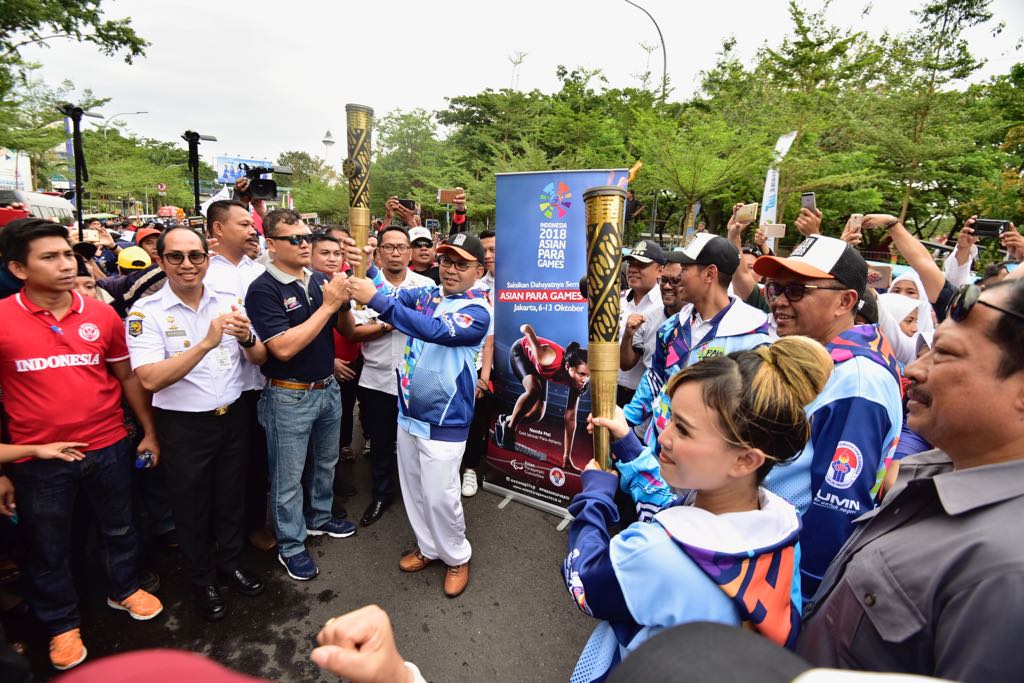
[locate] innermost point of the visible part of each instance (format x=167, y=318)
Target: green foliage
x=37, y=22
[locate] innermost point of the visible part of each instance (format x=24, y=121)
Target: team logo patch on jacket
x=135, y=327
x=845, y=467
x=463, y=320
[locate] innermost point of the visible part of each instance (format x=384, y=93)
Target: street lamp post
x=664, y=56
x=103, y=126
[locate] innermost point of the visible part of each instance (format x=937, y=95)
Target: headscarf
x=898, y=306
x=925, y=321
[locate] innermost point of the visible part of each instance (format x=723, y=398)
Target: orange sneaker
x=67, y=650
x=140, y=604
x=414, y=561
x=456, y=579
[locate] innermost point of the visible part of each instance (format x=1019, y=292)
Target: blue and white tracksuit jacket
x=686, y=565
x=437, y=379
x=855, y=426
x=737, y=327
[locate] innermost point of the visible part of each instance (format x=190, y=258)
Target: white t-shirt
x=653, y=311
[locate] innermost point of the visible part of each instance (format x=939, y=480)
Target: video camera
x=263, y=188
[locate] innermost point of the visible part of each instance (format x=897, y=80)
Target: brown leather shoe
x=414, y=562
x=262, y=540
x=456, y=579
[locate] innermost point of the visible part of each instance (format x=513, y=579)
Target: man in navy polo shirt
x=293, y=310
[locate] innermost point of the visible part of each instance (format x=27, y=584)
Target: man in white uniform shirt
x=231, y=271
x=188, y=345
x=640, y=304
x=383, y=349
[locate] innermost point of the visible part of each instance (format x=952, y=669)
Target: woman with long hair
x=726, y=549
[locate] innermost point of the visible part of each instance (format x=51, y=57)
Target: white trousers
x=432, y=493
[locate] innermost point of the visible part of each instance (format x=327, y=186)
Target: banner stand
x=541, y=505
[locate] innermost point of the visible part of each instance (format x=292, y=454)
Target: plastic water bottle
x=144, y=460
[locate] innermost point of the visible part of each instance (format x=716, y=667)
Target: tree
x=305, y=167
x=37, y=22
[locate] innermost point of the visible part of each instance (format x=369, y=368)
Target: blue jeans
x=300, y=424
x=46, y=491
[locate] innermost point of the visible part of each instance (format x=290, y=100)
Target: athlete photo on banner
x=539, y=442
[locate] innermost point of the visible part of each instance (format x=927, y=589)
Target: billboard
x=539, y=443
x=229, y=169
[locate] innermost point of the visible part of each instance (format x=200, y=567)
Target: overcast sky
x=267, y=77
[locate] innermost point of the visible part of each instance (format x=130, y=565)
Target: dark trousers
x=623, y=395
x=205, y=457
x=476, y=442
x=349, y=392
x=381, y=410
x=46, y=491
x=257, y=475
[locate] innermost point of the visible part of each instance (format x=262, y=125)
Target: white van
x=40, y=205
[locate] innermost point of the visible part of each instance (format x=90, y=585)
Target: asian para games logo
x=845, y=467
x=555, y=200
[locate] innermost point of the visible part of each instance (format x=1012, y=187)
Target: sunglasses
x=967, y=298
x=296, y=240
x=461, y=266
x=176, y=258
x=794, y=291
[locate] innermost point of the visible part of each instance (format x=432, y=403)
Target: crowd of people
x=798, y=450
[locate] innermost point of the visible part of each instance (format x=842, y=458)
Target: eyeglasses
x=296, y=240
x=967, y=298
x=176, y=258
x=672, y=281
x=794, y=291
x=461, y=266
x=394, y=248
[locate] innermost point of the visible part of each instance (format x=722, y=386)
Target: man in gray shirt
x=932, y=582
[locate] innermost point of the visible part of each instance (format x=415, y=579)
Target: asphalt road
x=515, y=622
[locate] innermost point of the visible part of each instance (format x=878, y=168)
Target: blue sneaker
x=336, y=528
x=300, y=567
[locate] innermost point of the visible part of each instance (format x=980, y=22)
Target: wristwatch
x=250, y=342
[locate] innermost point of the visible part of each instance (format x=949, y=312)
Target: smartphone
x=880, y=276
x=774, y=229
x=989, y=228
x=90, y=235
x=807, y=201
x=446, y=195
x=408, y=203
x=856, y=220
x=747, y=213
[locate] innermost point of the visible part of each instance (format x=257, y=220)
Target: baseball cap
x=144, y=233
x=133, y=258
x=420, y=233
x=647, y=251
x=83, y=270
x=465, y=245
x=706, y=249
x=819, y=257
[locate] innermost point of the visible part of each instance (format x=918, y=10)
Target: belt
x=301, y=386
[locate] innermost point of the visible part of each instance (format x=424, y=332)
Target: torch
x=359, y=122
x=605, y=210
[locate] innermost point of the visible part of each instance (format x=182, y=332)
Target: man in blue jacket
x=857, y=418
x=446, y=326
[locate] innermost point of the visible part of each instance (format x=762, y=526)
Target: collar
x=654, y=294
x=961, y=491
x=77, y=303
x=167, y=299
x=246, y=262
x=286, y=279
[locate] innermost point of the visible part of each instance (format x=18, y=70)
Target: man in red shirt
x=63, y=367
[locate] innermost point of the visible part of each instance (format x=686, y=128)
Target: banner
x=770, y=198
x=539, y=443
x=229, y=169
x=15, y=170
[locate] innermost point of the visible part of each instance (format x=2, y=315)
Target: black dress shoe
x=374, y=512
x=243, y=582
x=209, y=603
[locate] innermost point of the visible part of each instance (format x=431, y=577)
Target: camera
x=989, y=228
x=263, y=188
